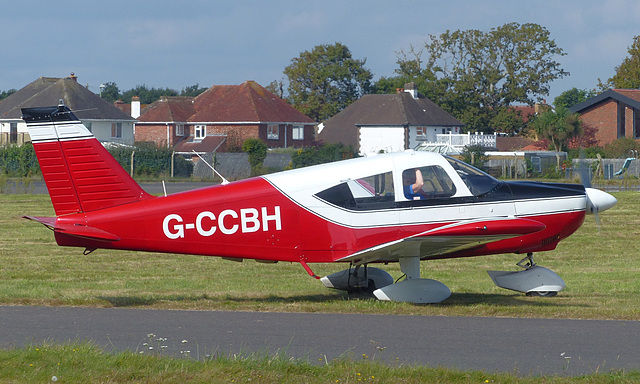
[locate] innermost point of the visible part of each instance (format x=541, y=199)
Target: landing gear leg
x=527, y=262
x=533, y=280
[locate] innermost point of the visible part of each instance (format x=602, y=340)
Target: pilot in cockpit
x=412, y=184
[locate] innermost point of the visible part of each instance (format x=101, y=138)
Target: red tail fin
x=80, y=174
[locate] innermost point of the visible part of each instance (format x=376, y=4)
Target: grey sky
x=176, y=44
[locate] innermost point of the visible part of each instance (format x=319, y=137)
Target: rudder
x=80, y=174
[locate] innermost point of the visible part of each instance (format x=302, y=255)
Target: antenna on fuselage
x=224, y=181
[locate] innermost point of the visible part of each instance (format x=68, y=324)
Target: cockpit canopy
x=440, y=180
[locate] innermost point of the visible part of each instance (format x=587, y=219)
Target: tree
x=110, y=92
x=147, y=95
x=277, y=88
x=477, y=74
x=573, y=96
x=410, y=70
x=559, y=127
x=5, y=94
x=628, y=73
x=326, y=80
x=192, y=90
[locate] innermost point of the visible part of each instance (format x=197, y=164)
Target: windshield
x=477, y=181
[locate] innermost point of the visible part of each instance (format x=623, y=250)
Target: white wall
x=376, y=139
x=101, y=129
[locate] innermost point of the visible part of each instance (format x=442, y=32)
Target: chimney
x=135, y=107
x=411, y=89
x=73, y=77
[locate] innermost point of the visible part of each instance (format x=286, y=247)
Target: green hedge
x=325, y=153
x=19, y=161
x=149, y=160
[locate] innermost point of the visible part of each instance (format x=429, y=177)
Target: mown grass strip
x=86, y=363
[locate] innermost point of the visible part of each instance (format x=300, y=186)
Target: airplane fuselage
x=254, y=219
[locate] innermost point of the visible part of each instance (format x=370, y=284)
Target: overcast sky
x=180, y=43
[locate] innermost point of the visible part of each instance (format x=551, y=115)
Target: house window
x=421, y=133
x=199, y=132
x=298, y=132
x=273, y=132
x=636, y=123
x=179, y=130
x=621, y=121
x=13, y=133
x=116, y=130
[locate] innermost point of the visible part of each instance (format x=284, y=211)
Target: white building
x=107, y=122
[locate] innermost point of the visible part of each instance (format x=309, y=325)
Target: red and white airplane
x=400, y=207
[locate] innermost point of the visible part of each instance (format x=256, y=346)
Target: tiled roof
x=248, y=102
x=207, y=145
x=399, y=109
x=47, y=91
x=514, y=143
x=168, y=109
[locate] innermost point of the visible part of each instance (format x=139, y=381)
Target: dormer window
x=199, y=132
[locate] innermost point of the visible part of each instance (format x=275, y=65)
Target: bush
x=150, y=160
x=325, y=153
x=621, y=148
x=474, y=155
x=257, y=151
x=19, y=161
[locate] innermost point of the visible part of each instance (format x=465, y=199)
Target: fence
x=459, y=141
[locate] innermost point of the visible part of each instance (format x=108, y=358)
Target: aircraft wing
x=448, y=239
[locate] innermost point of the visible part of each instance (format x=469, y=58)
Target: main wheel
x=542, y=293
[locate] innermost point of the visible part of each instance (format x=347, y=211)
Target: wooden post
x=132, y=153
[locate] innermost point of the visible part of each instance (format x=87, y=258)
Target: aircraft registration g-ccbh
x=400, y=207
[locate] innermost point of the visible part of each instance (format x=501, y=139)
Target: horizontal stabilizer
x=77, y=230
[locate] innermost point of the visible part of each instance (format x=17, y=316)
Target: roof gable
x=49, y=91
x=630, y=97
x=248, y=102
x=399, y=109
x=402, y=109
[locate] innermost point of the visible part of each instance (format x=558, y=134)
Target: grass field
x=86, y=363
x=598, y=263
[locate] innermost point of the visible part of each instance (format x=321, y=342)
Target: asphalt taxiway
x=522, y=346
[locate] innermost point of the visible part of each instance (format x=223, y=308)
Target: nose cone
x=598, y=201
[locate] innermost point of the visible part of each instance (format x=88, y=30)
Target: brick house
x=235, y=112
x=165, y=121
x=389, y=123
x=613, y=114
x=103, y=119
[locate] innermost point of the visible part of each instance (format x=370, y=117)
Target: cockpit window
x=427, y=183
x=477, y=181
x=370, y=192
